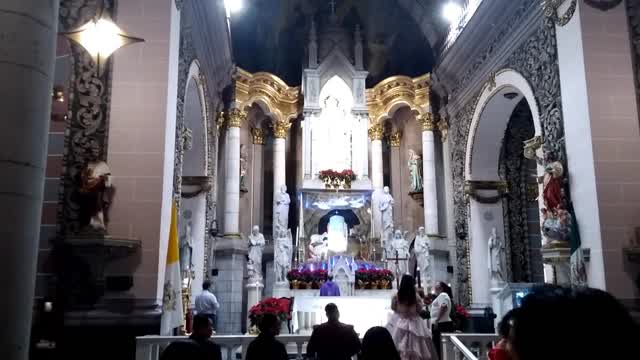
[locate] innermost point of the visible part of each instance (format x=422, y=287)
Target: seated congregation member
x=333, y=340
x=377, y=344
x=409, y=331
x=556, y=323
x=500, y=350
x=265, y=346
x=199, y=346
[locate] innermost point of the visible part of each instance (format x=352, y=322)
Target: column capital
x=235, y=117
x=443, y=126
x=258, y=136
x=427, y=122
x=394, y=138
x=280, y=129
x=375, y=132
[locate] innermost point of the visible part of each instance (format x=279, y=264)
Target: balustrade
x=466, y=346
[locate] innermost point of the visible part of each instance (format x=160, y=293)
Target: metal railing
x=466, y=346
x=150, y=347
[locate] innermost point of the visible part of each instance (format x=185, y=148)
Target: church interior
x=269, y=146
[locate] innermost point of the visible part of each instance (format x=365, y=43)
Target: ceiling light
x=101, y=37
x=233, y=5
x=452, y=12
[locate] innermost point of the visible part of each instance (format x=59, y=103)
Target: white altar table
x=363, y=312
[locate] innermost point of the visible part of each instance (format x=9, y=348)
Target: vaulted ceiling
x=271, y=35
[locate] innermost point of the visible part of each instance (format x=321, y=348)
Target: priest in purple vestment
x=329, y=288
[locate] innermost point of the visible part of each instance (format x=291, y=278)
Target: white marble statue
x=415, y=171
x=282, y=255
x=399, y=248
x=256, y=246
x=422, y=249
x=385, y=204
x=281, y=209
x=186, y=244
x=496, y=259
x=319, y=247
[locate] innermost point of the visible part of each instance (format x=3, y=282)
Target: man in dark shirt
x=333, y=340
x=265, y=346
x=198, y=347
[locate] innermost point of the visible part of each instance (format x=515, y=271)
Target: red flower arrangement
x=372, y=275
x=462, y=311
x=343, y=175
x=279, y=307
x=308, y=275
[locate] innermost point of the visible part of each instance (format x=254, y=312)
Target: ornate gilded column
x=28, y=44
x=429, y=174
x=234, y=120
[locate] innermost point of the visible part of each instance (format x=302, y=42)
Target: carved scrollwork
x=87, y=122
x=551, y=8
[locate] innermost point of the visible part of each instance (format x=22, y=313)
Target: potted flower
x=294, y=276
x=460, y=317
x=327, y=176
x=279, y=307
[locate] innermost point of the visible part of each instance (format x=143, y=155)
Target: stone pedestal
x=254, y=295
x=281, y=289
x=558, y=255
x=229, y=285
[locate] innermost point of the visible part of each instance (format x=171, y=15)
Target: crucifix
x=397, y=260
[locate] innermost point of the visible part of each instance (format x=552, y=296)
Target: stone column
x=375, y=134
x=26, y=66
x=429, y=174
x=306, y=143
x=257, y=195
x=280, y=129
x=235, y=118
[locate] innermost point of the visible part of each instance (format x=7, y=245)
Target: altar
x=367, y=309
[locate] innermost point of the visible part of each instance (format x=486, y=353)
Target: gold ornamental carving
x=398, y=90
x=269, y=92
x=281, y=129
x=376, y=132
x=235, y=118
x=258, y=136
x=427, y=122
x=394, y=138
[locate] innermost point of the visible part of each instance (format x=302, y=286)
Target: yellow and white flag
x=172, y=315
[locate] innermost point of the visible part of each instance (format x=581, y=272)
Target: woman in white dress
x=409, y=331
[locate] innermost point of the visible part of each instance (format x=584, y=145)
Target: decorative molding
x=427, y=122
x=471, y=188
x=535, y=58
x=387, y=94
x=258, y=136
x=280, y=129
x=604, y=5
x=179, y=4
x=87, y=128
x=376, y=132
x=491, y=81
x=235, y=117
x=277, y=99
x=551, y=8
x=394, y=138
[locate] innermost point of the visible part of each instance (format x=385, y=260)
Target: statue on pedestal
x=496, y=259
x=256, y=247
x=399, y=247
x=386, y=213
x=186, y=245
x=422, y=249
x=282, y=255
x=281, y=209
x=96, y=195
x=415, y=171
